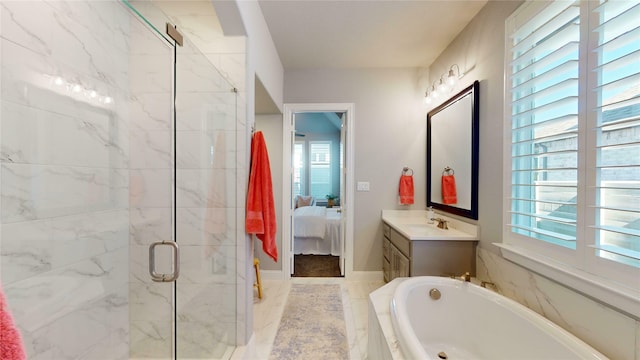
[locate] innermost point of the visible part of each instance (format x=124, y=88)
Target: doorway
x=317, y=189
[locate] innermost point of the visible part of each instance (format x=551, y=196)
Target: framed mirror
x=452, y=154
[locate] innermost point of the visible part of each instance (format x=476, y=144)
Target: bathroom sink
x=424, y=228
x=414, y=226
x=425, y=231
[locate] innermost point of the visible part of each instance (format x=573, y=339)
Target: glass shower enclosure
x=117, y=186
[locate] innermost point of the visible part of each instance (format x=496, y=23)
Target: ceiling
x=320, y=34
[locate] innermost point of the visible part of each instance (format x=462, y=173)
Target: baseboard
x=272, y=274
x=245, y=352
x=353, y=275
x=365, y=276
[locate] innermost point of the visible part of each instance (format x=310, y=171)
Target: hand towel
x=449, y=195
x=406, y=189
x=261, y=213
x=11, y=347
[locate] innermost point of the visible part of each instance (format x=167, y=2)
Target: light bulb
x=58, y=81
x=435, y=92
x=427, y=99
x=442, y=86
x=452, y=79
x=76, y=88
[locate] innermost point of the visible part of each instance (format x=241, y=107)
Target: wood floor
x=316, y=266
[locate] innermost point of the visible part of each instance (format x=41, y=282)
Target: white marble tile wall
x=609, y=331
x=64, y=151
x=85, y=136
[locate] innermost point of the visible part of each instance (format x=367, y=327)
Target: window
x=298, y=169
x=320, y=168
x=572, y=105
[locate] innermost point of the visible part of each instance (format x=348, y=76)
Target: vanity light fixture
x=444, y=85
x=431, y=94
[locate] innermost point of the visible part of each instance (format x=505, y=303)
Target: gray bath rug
x=312, y=325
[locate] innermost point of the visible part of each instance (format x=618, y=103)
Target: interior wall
x=271, y=127
x=245, y=18
x=479, y=51
x=390, y=133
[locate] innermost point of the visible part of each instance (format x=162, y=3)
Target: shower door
x=151, y=192
x=193, y=317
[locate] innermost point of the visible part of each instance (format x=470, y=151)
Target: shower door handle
x=176, y=262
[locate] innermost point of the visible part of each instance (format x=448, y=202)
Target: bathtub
x=471, y=322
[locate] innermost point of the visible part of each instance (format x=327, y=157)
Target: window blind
x=615, y=69
x=320, y=181
x=544, y=92
x=299, y=169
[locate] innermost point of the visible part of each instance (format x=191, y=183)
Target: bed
x=316, y=231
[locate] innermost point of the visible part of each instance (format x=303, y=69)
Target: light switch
x=363, y=186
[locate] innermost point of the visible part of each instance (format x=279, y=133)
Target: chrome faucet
x=442, y=223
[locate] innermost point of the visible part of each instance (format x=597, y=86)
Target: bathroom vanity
x=412, y=246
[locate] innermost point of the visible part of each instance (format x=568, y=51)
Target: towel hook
x=406, y=169
x=448, y=171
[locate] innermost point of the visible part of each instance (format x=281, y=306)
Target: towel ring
x=448, y=171
x=406, y=169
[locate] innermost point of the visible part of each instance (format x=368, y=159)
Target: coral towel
x=406, y=189
x=261, y=213
x=11, y=347
x=449, y=195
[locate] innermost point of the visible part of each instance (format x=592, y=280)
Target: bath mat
x=312, y=324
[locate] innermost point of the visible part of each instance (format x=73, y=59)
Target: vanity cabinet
x=395, y=263
x=403, y=257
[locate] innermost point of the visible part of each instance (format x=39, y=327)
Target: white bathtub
x=471, y=322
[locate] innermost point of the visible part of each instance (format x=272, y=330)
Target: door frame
x=288, y=135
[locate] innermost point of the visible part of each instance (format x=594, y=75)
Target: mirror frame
x=474, y=122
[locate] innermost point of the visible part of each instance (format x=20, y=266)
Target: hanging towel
x=261, y=213
x=406, y=189
x=449, y=195
x=11, y=347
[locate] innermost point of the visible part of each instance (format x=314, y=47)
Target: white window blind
x=572, y=102
x=544, y=72
x=615, y=85
x=298, y=168
x=320, y=168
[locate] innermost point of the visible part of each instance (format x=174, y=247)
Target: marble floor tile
x=268, y=311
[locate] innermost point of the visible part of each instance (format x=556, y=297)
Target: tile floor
x=267, y=313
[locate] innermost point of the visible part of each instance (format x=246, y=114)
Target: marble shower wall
x=64, y=157
x=86, y=171
x=611, y=332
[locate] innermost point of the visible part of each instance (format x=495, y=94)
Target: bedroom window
x=320, y=168
x=298, y=169
x=572, y=112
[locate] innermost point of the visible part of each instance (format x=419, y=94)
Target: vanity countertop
x=413, y=225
